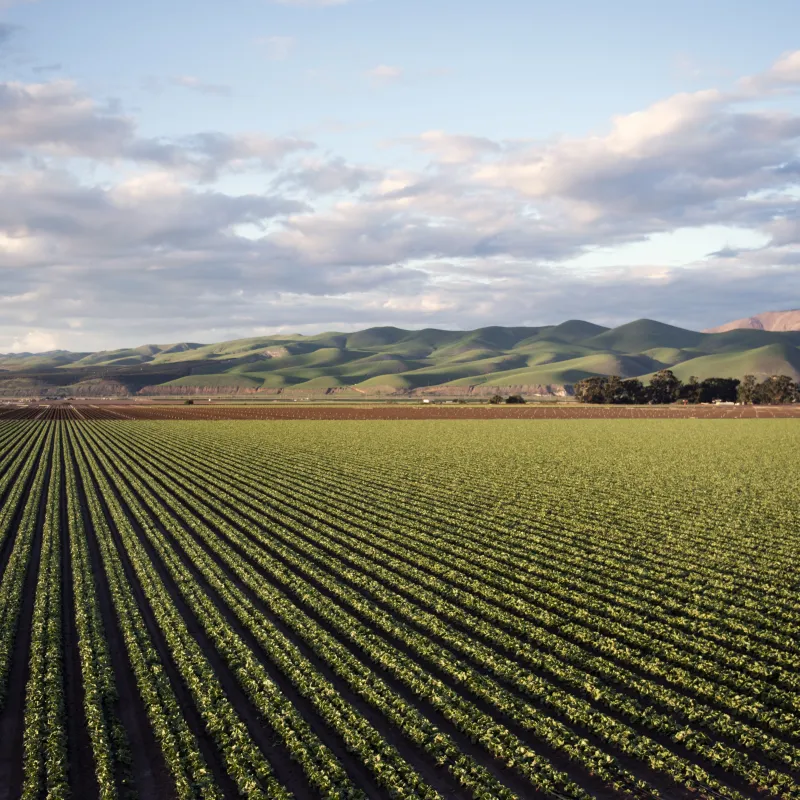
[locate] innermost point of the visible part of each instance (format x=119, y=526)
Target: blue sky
x=198, y=170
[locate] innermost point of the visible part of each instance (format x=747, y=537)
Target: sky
x=192, y=170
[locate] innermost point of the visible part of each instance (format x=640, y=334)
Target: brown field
x=219, y=411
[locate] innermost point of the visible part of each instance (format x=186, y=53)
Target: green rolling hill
x=392, y=361
x=771, y=359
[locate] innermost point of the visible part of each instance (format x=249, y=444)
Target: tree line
x=496, y=399
x=666, y=387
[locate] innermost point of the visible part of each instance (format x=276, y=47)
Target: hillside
x=392, y=361
x=768, y=321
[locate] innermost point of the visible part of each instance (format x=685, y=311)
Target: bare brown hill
x=768, y=321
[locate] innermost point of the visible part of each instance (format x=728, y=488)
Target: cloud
x=190, y=82
x=783, y=75
x=688, y=159
x=453, y=149
x=383, y=74
x=205, y=155
x=487, y=232
x=151, y=212
x=325, y=177
x=55, y=119
x=278, y=48
x=687, y=66
x=197, y=85
x=786, y=69
x=31, y=342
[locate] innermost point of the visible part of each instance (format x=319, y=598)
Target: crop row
x=351, y=611
x=330, y=706
x=22, y=529
x=669, y=699
x=753, y=772
x=45, y=746
x=633, y=621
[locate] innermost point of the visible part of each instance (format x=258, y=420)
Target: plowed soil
x=220, y=411
x=390, y=412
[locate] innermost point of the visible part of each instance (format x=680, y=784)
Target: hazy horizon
x=289, y=333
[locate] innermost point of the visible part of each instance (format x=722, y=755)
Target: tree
x=515, y=398
x=617, y=391
x=632, y=391
x=692, y=391
x=777, y=389
x=747, y=390
x=496, y=399
x=664, y=387
x=590, y=390
x=723, y=389
x=612, y=391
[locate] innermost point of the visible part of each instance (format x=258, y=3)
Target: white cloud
x=58, y=119
x=698, y=155
x=203, y=87
x=384, y=73
x=31, y=342
x=488, y=232
x=783, y=75
x=55, y=119
x=278, y=48
x=324, y=177
x=786, y=69
x=453, y=149
x=687, y=66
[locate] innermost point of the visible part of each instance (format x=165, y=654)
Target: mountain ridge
x=766, y=321
x=545, y=359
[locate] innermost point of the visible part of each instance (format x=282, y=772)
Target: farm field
x=385, y=411
x=576, y=608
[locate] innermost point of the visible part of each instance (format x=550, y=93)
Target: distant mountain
x=768, y=321
x=393, y=361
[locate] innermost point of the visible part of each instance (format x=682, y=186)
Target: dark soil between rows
x=150, y=774
x=82, y=779
x=12, y=718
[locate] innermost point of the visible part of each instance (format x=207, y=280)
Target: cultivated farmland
x=415, y=609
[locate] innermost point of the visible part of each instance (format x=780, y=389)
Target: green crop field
x=426, y=609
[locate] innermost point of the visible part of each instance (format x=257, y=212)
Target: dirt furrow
x=150, y=774
x=82, y=778
x=12, y=716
